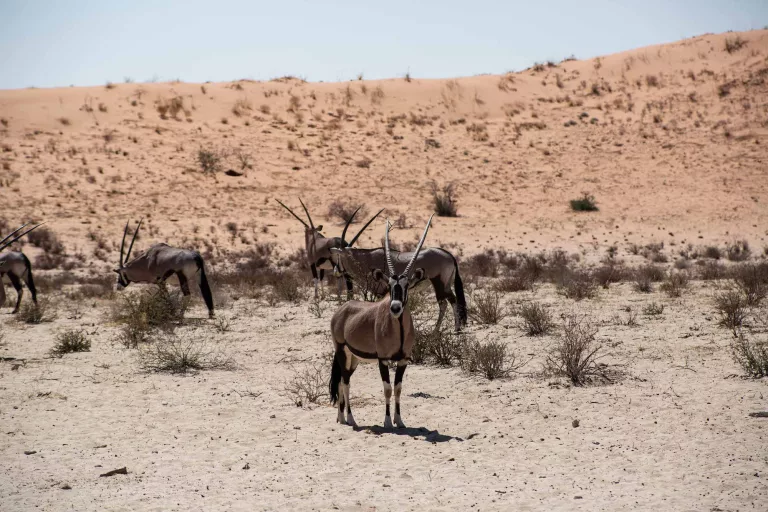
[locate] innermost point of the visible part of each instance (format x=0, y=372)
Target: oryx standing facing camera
x=18, y=268
x=160, y=262
x=379, y=331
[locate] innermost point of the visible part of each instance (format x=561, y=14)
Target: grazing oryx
x=18, y=268
x=160, y=262
x=376, y=331
x=318, y=247
x=440, y=267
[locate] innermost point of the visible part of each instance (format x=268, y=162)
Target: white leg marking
x=398, y=421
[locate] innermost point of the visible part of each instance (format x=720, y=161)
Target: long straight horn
x=13, y=233
x=363, y=228
x=418, y=247
x=122, y=244
x=291, y=212
x=346, y=226
x=386, y=250
x=130, y=247
x=6, y=242
x=309, y=217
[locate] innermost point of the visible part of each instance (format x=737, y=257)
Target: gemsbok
x=16, y=265
x=160, y=262
x=318, y=247
x=376, y=331
x=440, y=268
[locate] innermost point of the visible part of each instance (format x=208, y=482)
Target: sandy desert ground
x=669, y=139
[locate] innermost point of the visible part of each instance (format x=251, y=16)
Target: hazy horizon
x=50, y=44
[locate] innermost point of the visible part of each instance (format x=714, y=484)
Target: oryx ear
x=319, y=228
x=417, y=276
x=378, y=275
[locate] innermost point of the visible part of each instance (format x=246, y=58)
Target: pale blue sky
x=85, y=42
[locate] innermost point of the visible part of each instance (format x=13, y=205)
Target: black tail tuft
x=338, y=364
x=30, y=282
x=204, y=288
x=460, y=299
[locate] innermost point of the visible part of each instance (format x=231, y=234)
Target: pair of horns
x=10, y=239
x=391, y=265
x=349, y=221
x=127, y=258
x=311, y=225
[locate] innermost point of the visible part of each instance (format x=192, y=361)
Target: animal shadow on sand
x=432, y=436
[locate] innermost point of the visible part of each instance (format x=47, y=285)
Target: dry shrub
x=441, y=347
x=71, y=340
x=653, y=309
x=286, y=287
x=209, y=160
x=586, y=203
x=532, y=269
x=142, y=313
x=611, y=272
x=738, y=251
x=515, y=282
x=343, y=211
x=675, y=284
x=486, y=307
x=444, y=200
x=174, y=354
x=579, y=285
x=752, y=280
x=478, y=132
x=713, y=252
x=491, y=359
x=709, y=270
x=752, y=356
x=170, y=106
x=307, y=385
x=575, y=354
x=31, y=313
x=242, y=107
x=537, y=319
x=733, y=44
x=484, y=264
x=46, y=239
x=731, y=308
x=646, y=275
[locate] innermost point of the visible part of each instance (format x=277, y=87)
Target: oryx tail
x=205, y=290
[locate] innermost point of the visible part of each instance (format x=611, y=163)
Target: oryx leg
x=16, y=282
x=348, y=282
x=313, y=268
x=399, y=372
x=437, y=284
x=384, y=371
x=2, y=292
x=346, y=374
x=30, y=284
x=183, y=283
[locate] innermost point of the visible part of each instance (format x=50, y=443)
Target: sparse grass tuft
x=173, y=354
x=734, y=44
x=731, y=308
x=307, y=385
x=209, y=161
x=653, y=309
x=39, y=313
x=69, y=341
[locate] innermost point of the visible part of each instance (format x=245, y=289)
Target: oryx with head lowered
x=160, y=262
x=440, y=268
x=16, y=265
x=376, y=331
x=318, y=247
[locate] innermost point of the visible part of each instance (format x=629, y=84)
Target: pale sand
x=674, y=434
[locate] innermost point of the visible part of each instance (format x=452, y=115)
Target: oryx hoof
x=211, y=314
x=351, y=420
x=388, y=422
x=399, y=422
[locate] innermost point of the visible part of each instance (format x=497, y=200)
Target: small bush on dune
x=752, y=280
x=710, y=270
x=586, y=203
x=734, y=44
x=738, y=251
x=343, y=211
x=675, y=284
x=752, y=356
x=575, y=354
x=444, y=201
x=578, y=286
x=209, y=161
x=71, y=341
x=537, y=319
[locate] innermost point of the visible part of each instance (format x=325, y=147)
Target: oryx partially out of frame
x=440, y=268
x=160, y=262
x=318, y=247
x=376, y=331
x=16, y=265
